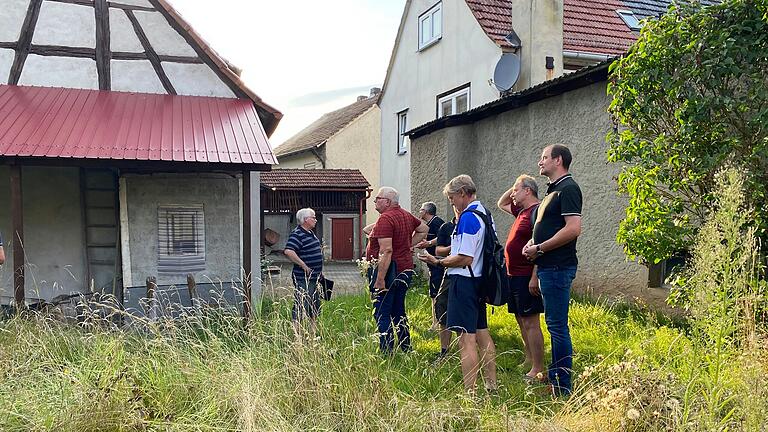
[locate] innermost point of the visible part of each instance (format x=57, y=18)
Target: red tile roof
x=90, y=124
x=314, y=179
x=495, y=18
x=593, y=26
x=325, y=127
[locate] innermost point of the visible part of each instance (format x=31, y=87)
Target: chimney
x=375, y=91
x=539, y=24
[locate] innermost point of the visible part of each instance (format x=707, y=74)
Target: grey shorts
x=441, y=301
x=306, y=299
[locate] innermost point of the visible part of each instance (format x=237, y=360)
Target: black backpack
x=494, y=284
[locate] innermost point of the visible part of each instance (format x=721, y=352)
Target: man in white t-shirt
x=466, y=310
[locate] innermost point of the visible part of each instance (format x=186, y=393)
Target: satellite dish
x=507, y=71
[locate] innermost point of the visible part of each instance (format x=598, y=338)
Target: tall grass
x=209, y=371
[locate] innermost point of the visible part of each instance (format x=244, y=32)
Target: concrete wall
x=219, y=195
x=464, y=55
x=298, y=161
x=53, y=233
x=358, y=146
x=494, y=151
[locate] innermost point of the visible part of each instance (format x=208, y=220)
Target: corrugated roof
x=495, y=18
x=325, y=127
x=90, y=124
x=593, y=26
x=309, y=179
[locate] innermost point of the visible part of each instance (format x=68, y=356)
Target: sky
x=303, y=57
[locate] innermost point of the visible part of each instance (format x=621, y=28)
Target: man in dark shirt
x=521, y=200
x=304, y=250
x=443, y=249
x=391, y=243
x=427, y=214
x=553, y=249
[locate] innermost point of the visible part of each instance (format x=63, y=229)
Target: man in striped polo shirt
x=304, y=250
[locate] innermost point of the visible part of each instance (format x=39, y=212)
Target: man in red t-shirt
x=521, y=200
x=391, y=243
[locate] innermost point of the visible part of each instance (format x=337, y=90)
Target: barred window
x=181, y=239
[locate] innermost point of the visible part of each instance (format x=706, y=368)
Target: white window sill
x=429, y=44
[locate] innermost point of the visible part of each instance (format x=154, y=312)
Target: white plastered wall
x=65, y=24
x=464, y=55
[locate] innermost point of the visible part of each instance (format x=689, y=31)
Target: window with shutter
x=181, y=239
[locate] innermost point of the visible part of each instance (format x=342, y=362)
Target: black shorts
x=435, y=279
x=466, y=311
x=521, y=301
x=441, y=301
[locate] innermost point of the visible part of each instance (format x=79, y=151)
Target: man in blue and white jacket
x=466, y=310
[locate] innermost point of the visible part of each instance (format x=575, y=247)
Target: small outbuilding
x=338, y=197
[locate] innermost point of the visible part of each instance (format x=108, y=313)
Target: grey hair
x=430, y=208
x=460, y=183
x=391, y=193
x=529, y=182
x=303, y=214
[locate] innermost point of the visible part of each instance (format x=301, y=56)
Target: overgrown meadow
x=635, y=370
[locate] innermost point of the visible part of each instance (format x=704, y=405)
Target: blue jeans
x=389, y=312
x=555, y=283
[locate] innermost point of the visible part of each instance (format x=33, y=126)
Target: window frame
x=429, y=14
x=170, y=261
x=452, y=95
x=402, y=127
x=627, y=16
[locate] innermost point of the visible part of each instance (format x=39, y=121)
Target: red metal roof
x=314, y=179
x=593, y=26
x=91, y=124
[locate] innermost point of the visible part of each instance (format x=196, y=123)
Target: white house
x=446, y=51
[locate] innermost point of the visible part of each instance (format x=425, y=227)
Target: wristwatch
x=539, y=252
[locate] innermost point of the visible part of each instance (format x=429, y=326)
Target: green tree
x=690, y=96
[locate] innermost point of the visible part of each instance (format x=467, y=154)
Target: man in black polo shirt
x=557, y=224
x=427, y=213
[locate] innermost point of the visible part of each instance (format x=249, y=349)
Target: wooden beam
x=17, y=221
x=152, y=56
x=9, y=45
x=119, y=55
x=103, y=52
x=130, y=7
x=247, y=245
x=181, y=59
x=62, y=51
x=77, y=2
x=25, y=40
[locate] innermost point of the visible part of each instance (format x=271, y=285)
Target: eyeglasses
x=380, y=198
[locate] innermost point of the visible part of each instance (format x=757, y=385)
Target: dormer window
x=629, y=19
x=431, y=26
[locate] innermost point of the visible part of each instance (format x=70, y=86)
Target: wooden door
x=342, y=243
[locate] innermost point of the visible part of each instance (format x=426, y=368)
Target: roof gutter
x=578, y=55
